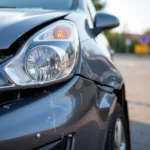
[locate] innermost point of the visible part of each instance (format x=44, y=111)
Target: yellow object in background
x=141, y=48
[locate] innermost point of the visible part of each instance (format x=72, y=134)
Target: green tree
x=117, y=41
x=98, y=4
x=134, y=42
x=147, y=31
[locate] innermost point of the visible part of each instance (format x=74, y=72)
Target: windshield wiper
x=7, y=7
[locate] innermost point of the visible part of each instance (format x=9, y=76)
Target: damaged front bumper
x=76, y=108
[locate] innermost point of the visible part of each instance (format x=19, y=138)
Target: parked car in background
x=59, y=89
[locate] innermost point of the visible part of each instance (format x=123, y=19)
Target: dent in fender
x=97, y=67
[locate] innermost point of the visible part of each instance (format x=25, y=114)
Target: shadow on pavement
x=140, y=135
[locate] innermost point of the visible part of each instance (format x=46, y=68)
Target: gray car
x=59, y=88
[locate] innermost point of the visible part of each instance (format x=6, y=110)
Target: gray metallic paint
x=16, y=22
x=78, y=106
x=95, y=63
x=97, y=67
x=74, y=107
x=109, y=22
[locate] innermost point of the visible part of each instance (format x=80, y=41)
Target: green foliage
x=147, y=31
x=134, y=42
x=117, y=42
x=98, y=4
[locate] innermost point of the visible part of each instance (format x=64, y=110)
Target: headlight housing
x=48, y=56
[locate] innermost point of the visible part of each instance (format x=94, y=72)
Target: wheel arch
x=121, y=99
x=121, y=95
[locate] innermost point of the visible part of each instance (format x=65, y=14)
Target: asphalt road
x=136, y=73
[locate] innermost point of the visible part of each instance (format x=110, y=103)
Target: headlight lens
x=48, y=56
x=43, y=63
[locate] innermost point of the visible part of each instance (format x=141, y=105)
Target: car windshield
x=44, y=4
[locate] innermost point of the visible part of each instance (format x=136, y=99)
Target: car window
x=45, y=4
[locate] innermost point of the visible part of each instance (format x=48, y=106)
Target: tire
x=116, y=118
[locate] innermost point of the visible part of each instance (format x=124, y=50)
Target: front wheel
x=117, y=138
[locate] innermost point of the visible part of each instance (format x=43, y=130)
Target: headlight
x=48, y=56
x=44, y=63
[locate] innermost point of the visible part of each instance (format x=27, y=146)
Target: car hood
x=16, y=22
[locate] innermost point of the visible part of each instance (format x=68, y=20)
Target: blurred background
x=131, y=44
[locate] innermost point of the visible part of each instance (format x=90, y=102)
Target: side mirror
x=104, y=21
